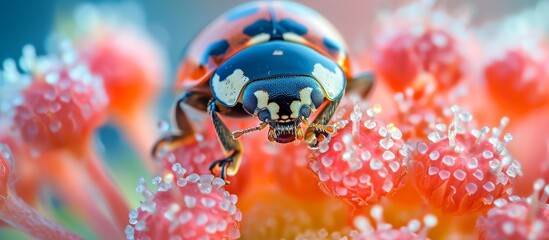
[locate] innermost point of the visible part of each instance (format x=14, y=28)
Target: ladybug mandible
x=276, y=60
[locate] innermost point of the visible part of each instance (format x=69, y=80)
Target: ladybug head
x=283, y=103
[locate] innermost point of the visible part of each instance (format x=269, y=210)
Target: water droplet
x=478, y=174
x=366, y=155
x=193, y=177
x=434, y=137
x=489, y=186
x=218, y=182
x=386, y=143
x=387, y=186
x=55, y=107
x=211, y=228
x=205, y=188
x=206, y=178
x=336, y=176
x=432, y=171
x=234, y=198
x=388, y=155
x=201, y=219
x=55, y=126
x=225, y=204
x=487, y=154
x=156, y=180
x=370, y=124
x=341, y=191
x=508, y=228
x=434, y=155
x=181, y=182
x=394, y=166
x=52, y=78
x=190, y=201
x=472, y=163
x=208, y=202
x=364, y=179
x=323, y=176
x=471, y=188
x=449, y=160
x=376, y=164
x=460, y=175
x=444, y=174
x=383, y=131
x=350, y=181
x=326, y=161
x=337, y=146
x=129, y=231
x=422, y=147
x=185, y=217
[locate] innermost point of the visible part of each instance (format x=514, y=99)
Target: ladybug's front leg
x=318, y=130
x=198, y=100
x=229, y=165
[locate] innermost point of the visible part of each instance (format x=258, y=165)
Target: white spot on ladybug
x=292, y=37
x=259, y=38
x=305, y=99
x=284, y=117
x=263, y=102
x=332, y=82
x=278, y=52
x=228, y=90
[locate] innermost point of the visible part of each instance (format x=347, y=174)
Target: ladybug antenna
x=238, y=133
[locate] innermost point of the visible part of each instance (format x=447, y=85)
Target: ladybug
x=276, y=60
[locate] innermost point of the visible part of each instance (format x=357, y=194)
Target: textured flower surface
x=461, y=139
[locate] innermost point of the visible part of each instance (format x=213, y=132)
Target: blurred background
x=174, y=23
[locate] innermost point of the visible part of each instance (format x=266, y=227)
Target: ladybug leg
x=318, y=130
x=361, y=84
x=229, y=165
x=184, y=128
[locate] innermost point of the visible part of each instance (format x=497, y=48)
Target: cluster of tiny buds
x=458, y=165
x=460, y=126
x=517, y=217
x=185, y=202
x=363, y=162
x=55, y=94
x=383, y=230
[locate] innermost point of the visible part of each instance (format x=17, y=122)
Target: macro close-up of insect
x=274, y=119
x=277, y=61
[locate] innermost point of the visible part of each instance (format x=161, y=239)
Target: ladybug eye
x=305, y=111
x=263, y=115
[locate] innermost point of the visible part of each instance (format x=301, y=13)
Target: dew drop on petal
x=387, y=186
x=472, y=163
x=444, y=174
x=366, y=155
x=337, y=146
x=376, y=164
x=487, y=154
x=190, y=201
x=55, y=126
x=449, y=160
x=460, y=175
x=434, y=155
x=388, y=155
x=422, y=147
x=478, y=174
x=432, y=171
x=341, y=191
x=489, y=186
x=471, y=188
